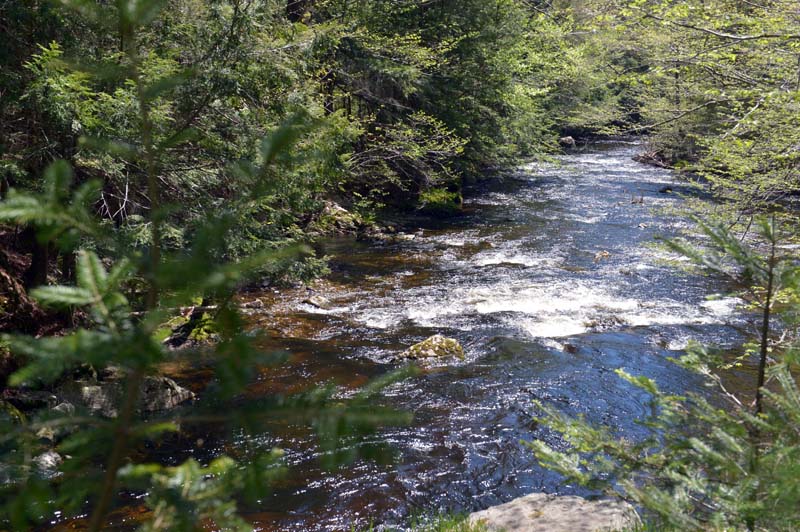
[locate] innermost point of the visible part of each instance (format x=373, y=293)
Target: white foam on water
x=497, y=257
x=723, y=307
x=545, y=303
x=547, y=309
x=678, y=344
x=554, y=344
x=558, y=328
x=377, y=318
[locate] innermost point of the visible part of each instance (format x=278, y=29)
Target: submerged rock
x=436, y=346
x=572, y=349
x=600, y=255
x=604, y=323
x=541, y=512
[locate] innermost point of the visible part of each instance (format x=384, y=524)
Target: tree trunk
x=36, y=274
x=68, y=263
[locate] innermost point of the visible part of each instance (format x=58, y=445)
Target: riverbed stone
x=541, y=512
x=436, y=346
x=64, y=408
x=29, y=400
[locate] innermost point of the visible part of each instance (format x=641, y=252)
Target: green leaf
x=185, y=135
x=120, y=272
x=58, y=178
x=116, y=148
x=165, y=84
x=280, y=141
x=22, y=209
x=91, y=273
x=143, y=12
x=63, y=296
x=89, y=9
x=49, y=357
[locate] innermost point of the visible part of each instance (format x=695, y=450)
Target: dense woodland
x=159, y=155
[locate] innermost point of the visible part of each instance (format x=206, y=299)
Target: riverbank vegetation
x=159, y=156
x=390, y=104
x=716, y=86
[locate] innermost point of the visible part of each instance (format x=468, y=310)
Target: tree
x=716, y=86
x=120, y=324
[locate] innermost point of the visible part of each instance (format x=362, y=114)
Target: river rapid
x=550, y=280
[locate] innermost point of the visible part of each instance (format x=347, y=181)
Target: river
x=550, y=280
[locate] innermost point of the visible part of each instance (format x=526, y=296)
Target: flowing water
x=550, y=281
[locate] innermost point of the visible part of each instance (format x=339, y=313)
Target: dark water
x=551, y=282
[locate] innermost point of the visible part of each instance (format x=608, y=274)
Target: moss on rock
x=436, y=346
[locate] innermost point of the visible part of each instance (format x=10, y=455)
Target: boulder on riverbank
x=335, y=219
x=541, y=512
x=436, y=346
x=567, y=143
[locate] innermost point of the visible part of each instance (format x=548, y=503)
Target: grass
x=650, y=527
x=448, y=523
x=441, y=523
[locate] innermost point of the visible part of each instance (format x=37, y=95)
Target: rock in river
x=162, y=393
x=436, y=346
x=541, y=512
x=320, y=302
x=255, y=304
x=47, y=463
x=105, y=397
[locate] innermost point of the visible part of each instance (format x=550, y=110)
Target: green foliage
x=706, y=465
x=185, y=497
x=442, y=523
x=714, y=84
x=448, y=523
x=155, y=257
x=440, y=201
